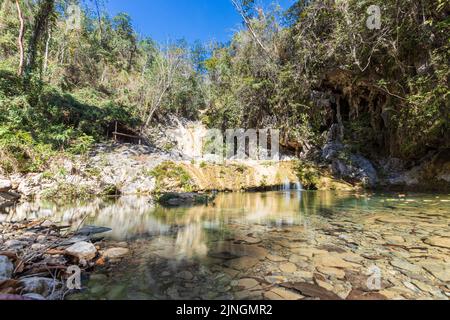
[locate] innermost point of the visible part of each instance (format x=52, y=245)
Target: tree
x=167, y=65
x=41, y=24
x=20, y=39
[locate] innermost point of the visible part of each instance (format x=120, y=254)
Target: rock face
x=355, y=168
x=348, y=167
x=5, y=184
x=7, y=196
x=432, y=174
x=82, y=250
x=6, y=268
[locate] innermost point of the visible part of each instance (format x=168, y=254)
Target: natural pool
x=274, y=245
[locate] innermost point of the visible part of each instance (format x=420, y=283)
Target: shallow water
x=248, y=245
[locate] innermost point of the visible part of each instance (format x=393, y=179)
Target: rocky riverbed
x=328, y=248
x=38, y=258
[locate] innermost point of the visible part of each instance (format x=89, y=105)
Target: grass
x=170, y=176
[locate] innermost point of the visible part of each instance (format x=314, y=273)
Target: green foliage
x=82, y=81
x=308, y=175
x=110, y=190
x=170, y=175
x=392, y=83
x=67, y=191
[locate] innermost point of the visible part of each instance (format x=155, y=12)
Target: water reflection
x=132, y=217
x=137, y=217
x=196, y=252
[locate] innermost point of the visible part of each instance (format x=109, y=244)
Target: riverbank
x=125, y=169
x=43, y=260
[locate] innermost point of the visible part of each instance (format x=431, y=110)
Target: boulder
x=331, y=150
x=352, y=167
x=6, y=268
x=355, y=168
x=15, y=244
x=183, y=199
x=82, y=250
x=91, y=230
x=41, y=286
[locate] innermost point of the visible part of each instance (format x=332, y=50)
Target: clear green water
x=205, y=252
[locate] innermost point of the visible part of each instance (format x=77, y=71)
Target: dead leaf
x=9, y=287
x=9, y=254
x=54, y=252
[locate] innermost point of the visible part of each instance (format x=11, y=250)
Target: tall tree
x=41, y=22
x=20, y=39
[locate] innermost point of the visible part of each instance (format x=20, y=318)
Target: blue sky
x=193, y=20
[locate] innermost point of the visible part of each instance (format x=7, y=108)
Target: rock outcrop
x=7, y=195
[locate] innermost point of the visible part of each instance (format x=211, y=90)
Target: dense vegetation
x=303, y=71
x=386, y=89
x=67, y=86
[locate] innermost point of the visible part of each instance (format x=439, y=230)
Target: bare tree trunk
x=248, y=23
x=99, y=17
x=20, y=39
x=339, y=119
x=167, y=69
x=47, y=45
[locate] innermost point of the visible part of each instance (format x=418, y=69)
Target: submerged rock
x=91, y=230
x=312, y=290
x=404, y=265
x=242, y=264
x=34, y=296
x=183, y=199
x=282, y=294
x=115, y=253
x=15, y=244
x=438, y=242
x=288, y=267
